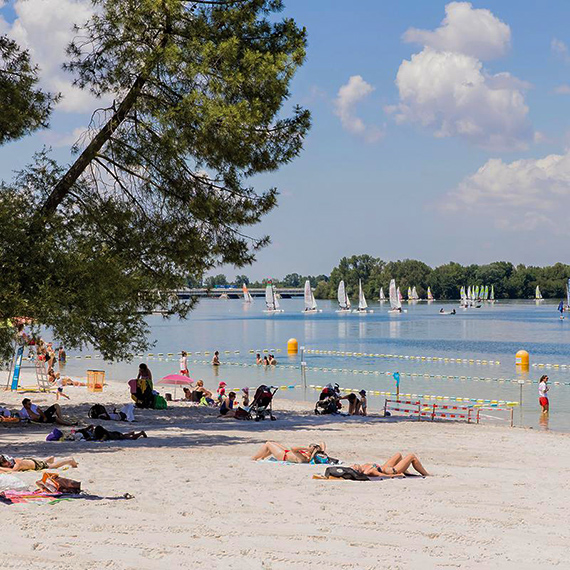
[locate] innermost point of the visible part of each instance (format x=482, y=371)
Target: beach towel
x=18, y=497
x=11, y=483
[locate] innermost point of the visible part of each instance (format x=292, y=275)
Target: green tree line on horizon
x=508, y=280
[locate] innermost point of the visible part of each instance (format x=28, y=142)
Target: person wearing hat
x=221, y=391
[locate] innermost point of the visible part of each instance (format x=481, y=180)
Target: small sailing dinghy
x=538, y=294
x=492, y=294
x=310, y=303
x=343, y=300
x=430, y=297
x=415, y=295
x=247, y=298
x=395, y=301
x=271, y=301
x=382, y=296
x=362, y=304
x=410, y=298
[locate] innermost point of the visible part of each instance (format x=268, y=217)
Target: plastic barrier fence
x=409, y=407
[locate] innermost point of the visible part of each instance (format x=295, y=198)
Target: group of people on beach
x=396, y=466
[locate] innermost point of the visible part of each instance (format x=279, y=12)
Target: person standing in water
x=184, y=364
x=543, y=394
x=216, y=359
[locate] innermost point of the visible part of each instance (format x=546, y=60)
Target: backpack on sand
x=345, y=473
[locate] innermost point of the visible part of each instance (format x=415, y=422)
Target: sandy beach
x=497, y=498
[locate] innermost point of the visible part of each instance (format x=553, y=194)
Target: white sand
x=498, y=497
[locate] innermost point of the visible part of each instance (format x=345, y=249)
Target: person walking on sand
x=184, y=364
x=543, y=394
x=10, y=464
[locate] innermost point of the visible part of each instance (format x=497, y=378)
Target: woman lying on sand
x=396, y=466
x=9, y=464
x=99, y=433
x=292, y=455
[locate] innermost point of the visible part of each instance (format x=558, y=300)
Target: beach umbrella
x=176, y=380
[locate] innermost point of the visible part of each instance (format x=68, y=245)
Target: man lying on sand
x=292, y=455
x=99, y=433
x=396, y=466
x=51, y=415
x=10, y=464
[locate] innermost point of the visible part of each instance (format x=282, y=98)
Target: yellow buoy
x=292, y=346
x=522, y=359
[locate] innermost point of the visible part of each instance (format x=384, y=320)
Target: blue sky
x=440, y=131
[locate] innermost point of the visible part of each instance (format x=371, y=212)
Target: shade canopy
x=176, y=380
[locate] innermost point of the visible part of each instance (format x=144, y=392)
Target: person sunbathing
x=396, y=466
x=10, y=464
x=292, y=455
x=51, y=415
x=99, y=433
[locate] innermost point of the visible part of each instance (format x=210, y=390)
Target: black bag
x=97, y=410
x=345, y=473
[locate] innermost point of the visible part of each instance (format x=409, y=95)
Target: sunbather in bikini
x=396, y=466
x=292, y=455
x=9, y=464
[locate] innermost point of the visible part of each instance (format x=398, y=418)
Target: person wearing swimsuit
x=396, y=466
x=292, y=455
x=10, y=464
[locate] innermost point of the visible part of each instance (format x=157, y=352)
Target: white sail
x=429, y=294
x=310, y=303
x=492, y=294
x=400, y=297
x=269, y=297
x=382, y=296
x=362, y=304
x=415, y=295
x=537, y=294
x=275, y=299
x=395, y=302
x=247, y=295
x=343, y=300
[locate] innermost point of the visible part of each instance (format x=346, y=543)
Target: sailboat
x=310, y=303
x=429, y=295
x=410, y=298
x=382, y=296
x=271, y=301
x=400, y=297
x=492, y=294
x=415, y=295
x=464, y=298
x=567, y=295
x=395, y=301
x=343, y=300
x=538, y=294
x=362, y=304
x=247, y=298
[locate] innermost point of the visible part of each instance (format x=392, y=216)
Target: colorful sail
x=537, y=293
x=492, y=294
x=429, y=294
x=246, y=294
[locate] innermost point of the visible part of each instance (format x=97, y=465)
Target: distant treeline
x=445, y=281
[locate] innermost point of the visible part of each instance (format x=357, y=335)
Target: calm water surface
x=493, y=333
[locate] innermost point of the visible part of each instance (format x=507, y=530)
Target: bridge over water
x=237, y=293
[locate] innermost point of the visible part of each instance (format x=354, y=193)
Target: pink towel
x=133, y=386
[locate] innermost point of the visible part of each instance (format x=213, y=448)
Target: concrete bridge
x=237, y=293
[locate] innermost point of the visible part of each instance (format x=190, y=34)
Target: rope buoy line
x=405, y=357
x=477, y=401
x=414, y=375
x=549, y=365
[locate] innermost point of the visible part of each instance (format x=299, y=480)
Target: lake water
x=491, y=335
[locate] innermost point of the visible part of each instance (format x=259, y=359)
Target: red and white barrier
x=510, y=412
x=410, y=407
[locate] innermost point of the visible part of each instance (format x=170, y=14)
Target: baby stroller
x=328, y=402
x=262, y=404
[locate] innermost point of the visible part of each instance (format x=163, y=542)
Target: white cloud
x=522, y=195
x=559, y=48
x=562, y=90
x=78, y=136
x=466, y=30
x=349, y=95
x=45, y=28
x=446, y=89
